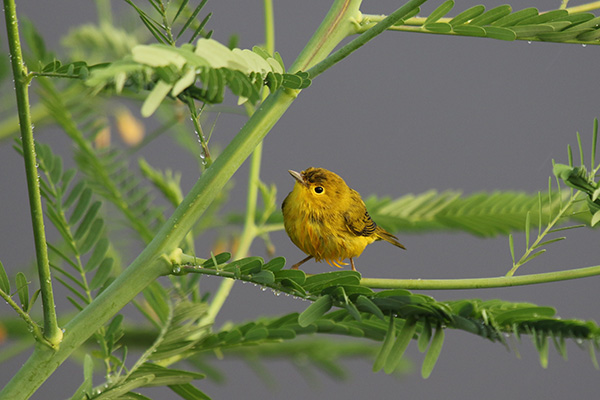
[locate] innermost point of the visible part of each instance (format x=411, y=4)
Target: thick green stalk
x=52, y=333
x=339, y=23
x=365, y=37
x=480, y=283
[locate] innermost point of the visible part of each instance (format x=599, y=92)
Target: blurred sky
x=404, y=114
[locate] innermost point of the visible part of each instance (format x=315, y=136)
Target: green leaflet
x=22, y=290
x=490, y=16
x=404, y=337
x=435, y=348
x=316, y=283
x=315, y=311
x=189, y=392
x=439, y=12
x=386, y=347
x=4, y=282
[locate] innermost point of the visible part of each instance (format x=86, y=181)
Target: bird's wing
x=360, y=225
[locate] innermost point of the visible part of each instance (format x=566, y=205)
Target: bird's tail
x=382, y=234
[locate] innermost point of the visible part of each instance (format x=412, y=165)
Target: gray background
x=406, y=113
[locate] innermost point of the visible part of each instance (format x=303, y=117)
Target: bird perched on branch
x=328, y=220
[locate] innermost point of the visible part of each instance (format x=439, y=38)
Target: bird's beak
x=297, y=176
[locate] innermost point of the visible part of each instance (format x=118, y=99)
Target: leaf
x=155, y=98
x=315, y=311
x=191, y=19
x=366, y=304
x=89, y=217
x=189, y=392
x=256, y=334
x=98, y=255
x=74, y=194
x=435, y=348
x=491, y=15
x=517, y=16
x=534, y=255
x=469, y=30
x=467, y=15
x=595, y=218
x=82, y=205
x=292, y=274
x=263, y=277
x=219, y=259
x=548, y=242
x=527, y=228
x=22, y=290
x=56, y=171
x=165, y=376
x=4, y=282
x=156, y=296
x=93, y=236
x=404, y=337
x=101, y=275
x=246, y=266
x=499, y=33
x=386, y=347
x=425, y=336
x=562, y=36
x=318, y=282
x=511, y=244
x=439, y=12
x=544, y=17
x=85, y=389
x=439, y=27
x=276, y=264
x=523, y=314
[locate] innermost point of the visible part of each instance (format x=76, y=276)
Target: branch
x=365, y=37
x=52, y=332
x=480, y=283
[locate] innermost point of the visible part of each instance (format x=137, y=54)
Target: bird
x=328, y=220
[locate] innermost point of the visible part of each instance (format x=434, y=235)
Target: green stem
x=480, y=283
x=339, y=23
x=594, y=5
x=33, y=327
x=365, y=37
x=52, y=332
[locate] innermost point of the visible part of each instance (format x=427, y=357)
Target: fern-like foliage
x=107, y=171
x=76, y=217
x=179, y=332
x=392, y=316
x=482, y=214
x=504, y=24
x=172, y=70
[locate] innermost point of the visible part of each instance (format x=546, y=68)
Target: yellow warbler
x=327, y=220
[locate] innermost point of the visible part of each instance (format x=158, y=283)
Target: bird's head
x=320, y=188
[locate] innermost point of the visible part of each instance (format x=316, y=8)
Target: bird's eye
x=319, y=189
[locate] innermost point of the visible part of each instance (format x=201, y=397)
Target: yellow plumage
x=327, y=220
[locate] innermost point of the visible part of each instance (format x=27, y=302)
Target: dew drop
x=177, y=269
x=264, y=289
x=584, y=45
x=529, y=42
